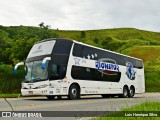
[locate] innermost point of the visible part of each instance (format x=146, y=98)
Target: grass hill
x=16, y=42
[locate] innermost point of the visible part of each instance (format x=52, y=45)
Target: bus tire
x=50, y=97
x=131, y=92
x=125, y=92
x=74, y=92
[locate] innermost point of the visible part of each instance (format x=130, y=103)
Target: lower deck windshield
x=35, y=71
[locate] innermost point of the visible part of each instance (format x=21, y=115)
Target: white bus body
x=80, y=69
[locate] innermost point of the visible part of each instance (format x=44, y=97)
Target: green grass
x=146, y=106
x=127, y=118
x=9, y=95
x=146, y=53
x=152, y=81
x=9, y=86
x=142, y=108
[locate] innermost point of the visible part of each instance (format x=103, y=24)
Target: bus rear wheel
x=131, y=92
x=73, y=92
x=50, y=97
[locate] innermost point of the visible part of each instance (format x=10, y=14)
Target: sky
x=82, y=14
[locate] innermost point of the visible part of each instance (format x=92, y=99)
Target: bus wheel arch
x=131, y=91
x=74, y=91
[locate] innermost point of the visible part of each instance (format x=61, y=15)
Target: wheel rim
x=131, y=92
x=74, y=92
x=125, y=92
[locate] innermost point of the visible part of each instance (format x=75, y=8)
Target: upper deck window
x=44, y=48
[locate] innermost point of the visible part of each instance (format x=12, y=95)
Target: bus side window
x=54, y=73
x=57, y=72
x=62, y=72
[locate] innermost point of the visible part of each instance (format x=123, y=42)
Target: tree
x=3, y=45
x=41, y=24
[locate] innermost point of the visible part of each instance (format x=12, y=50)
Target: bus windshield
x=35, y=71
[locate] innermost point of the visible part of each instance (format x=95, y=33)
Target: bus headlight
x=22, y=86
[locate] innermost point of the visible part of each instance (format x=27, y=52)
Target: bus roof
x=105, y=50
x=53, y=39
x=85, y=45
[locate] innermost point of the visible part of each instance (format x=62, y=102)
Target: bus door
x=57, y=75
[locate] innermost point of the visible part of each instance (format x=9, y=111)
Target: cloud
x=82, y=14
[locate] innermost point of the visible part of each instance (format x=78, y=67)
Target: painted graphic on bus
x=130, y=71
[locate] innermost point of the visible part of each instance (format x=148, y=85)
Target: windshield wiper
x=28, y=81
x=36, y=79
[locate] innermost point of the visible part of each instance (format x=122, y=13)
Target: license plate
x=30, y=92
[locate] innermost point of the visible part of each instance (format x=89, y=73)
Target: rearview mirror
x=16, y=66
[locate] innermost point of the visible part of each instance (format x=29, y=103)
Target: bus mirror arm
x=16, y=66
x=44, y=62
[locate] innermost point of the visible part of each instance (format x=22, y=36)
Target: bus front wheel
x=73, y=92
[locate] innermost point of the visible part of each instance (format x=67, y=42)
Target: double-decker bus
x=62, y=67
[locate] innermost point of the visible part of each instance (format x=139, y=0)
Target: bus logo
x=130, y=71
x=107, y=66
x=39, y=47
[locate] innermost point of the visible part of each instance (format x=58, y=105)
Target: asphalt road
x=86, y=103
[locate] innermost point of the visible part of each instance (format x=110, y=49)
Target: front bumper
x=32, y=92
x=44, y=91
